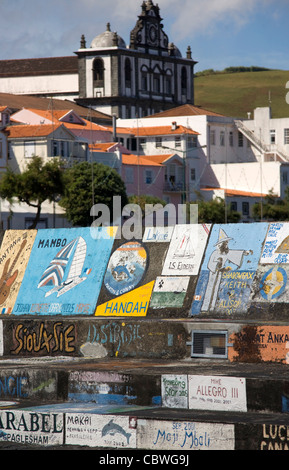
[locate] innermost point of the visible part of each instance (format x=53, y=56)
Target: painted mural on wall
x=155, y=275
x=101, y=430
x=228, y=269
x=126, y=268
x=130, y=277
x=265, y=343
x=271, y=282
x=40, y=338
x=14, y=255
x=184, y=435
x=31, y=427
x=186, y=250
x=65, y=272
x=169, y=291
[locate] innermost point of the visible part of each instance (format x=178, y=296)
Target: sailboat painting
x=65, y=272
x=186, y=250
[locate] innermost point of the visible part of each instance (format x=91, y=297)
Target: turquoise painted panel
x=65, y=272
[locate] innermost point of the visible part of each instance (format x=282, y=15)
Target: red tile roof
x=17, y=102
x=103, y=146
x=57, y=116
x=162, y=130
x=22, y=131
x=139, y=160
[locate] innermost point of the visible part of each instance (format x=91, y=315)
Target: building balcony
x=170, y=187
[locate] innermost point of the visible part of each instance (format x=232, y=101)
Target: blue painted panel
x=230, y=263
x=65, y=272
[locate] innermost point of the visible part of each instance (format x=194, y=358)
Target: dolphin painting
x=112, y=428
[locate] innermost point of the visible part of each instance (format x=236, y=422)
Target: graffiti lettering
x=197, y=440
x=13, y=387
x=163, y=436
x=59, y=340
x=119, y=334
x=278, y=338
x=126, y=307
x=42, y=422
x=55, y=242
x=238, y=275
x=275, y=437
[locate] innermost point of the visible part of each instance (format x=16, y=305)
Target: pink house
x=151, y=175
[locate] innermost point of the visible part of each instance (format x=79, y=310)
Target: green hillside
x=236, y=94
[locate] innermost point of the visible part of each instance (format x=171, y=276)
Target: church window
x=157, y=84
x=184, y=81
x=98, y=72
x=168, y=85
x=127, y=72
x=144, y=79
x=156, y=80
x=168, y=82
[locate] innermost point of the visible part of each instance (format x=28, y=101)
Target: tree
x=144, y=200
x=214, y=212
x=87, y=184
x=272, y=207
x=37, y=183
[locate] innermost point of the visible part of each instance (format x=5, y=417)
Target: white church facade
x=147, y=76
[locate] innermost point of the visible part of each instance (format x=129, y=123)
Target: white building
x=45, y=77
x=240, y=161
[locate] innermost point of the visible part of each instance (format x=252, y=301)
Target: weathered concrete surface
x=264, y=421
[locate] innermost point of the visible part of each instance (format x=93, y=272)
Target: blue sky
x=221, y=33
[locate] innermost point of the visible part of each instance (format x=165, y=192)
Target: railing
x=173, y=187
x=266, y=149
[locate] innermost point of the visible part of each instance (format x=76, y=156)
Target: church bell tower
x=147, y=76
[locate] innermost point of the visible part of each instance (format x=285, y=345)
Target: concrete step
x=113, y=403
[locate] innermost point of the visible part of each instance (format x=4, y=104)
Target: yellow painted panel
x=132, y=304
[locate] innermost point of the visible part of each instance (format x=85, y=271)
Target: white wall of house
x=59, y=86
x=218, y=136
x=61, y=143
x=20, y=216
x=250, y=177
x=274, y=132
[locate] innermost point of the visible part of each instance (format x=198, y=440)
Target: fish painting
x=112, y=428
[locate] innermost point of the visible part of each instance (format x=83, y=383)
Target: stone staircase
x=143, y=404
